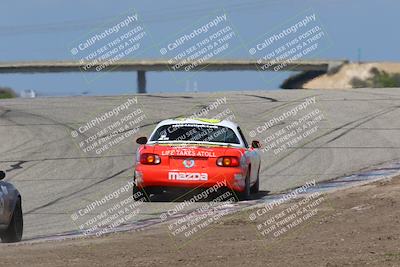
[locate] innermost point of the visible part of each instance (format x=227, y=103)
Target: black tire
x=16, y=226
x=256, y=187
x=245, y=195
x=140, y=194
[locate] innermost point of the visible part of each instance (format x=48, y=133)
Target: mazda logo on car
x=188, y=163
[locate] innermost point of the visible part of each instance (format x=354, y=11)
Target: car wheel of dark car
x=15, y=228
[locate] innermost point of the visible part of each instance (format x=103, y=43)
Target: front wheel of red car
x=16, y=226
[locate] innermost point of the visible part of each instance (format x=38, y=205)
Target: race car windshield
x=195, y=133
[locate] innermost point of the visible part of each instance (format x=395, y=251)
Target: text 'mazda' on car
x=188, y=153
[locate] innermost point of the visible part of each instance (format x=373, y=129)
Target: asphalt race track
x=360, y=128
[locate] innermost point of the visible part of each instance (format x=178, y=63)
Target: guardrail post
x=141, y=81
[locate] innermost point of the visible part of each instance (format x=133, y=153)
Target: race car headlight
x=228, y=161
x=150, y=159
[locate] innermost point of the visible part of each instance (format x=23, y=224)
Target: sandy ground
x=342, y=78
x=359, y=226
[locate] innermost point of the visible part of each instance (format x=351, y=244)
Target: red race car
x=197, y=153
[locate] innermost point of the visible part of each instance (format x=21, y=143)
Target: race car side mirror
x=141, y=140
x=2, y=175
x=255, y=144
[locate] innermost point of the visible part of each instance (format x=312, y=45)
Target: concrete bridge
x=142, y=66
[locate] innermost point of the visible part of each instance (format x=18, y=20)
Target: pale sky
x=45, y=30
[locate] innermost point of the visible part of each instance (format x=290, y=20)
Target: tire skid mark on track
x=16, y=166
x=264, y=97
x=360, y=91
x=54, y=201
x=7, y=118
x=69, y=158
x=362, y=121
x=168, y=97
x=18, y=124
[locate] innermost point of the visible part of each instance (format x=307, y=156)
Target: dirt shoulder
x=354, y=227
x=342, y=79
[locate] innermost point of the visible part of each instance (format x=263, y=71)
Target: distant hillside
x=354, y=75
x=6, y=92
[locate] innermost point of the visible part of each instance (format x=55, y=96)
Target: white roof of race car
x=224, y=123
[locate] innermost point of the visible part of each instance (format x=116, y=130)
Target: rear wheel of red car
x=16, y=226
x=245, y=195
x=139, y=194
x=256, y=187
